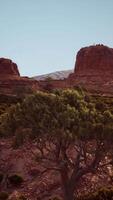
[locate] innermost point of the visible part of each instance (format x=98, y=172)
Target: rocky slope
x=58, y=75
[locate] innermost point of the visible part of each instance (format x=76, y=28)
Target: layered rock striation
x=10, y=80
x=93, y=69
x=94, y=60
x=8, y=68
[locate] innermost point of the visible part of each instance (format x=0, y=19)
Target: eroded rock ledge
x=10, y=80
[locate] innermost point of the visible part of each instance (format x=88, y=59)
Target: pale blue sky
x=43, y=36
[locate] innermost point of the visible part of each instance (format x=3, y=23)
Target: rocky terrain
x=36, y=185
x=22, y=161
x=93, y=71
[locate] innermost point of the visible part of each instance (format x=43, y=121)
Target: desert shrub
x=1, y=177
x=15, y=180
x=101, y=194
x=3, y=195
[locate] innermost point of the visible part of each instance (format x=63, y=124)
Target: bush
x=101, y=194
x=3, y=195
x=15, y=180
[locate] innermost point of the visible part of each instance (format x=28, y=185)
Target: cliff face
x=8, y=68
x=94, y=59
x=93, y=69
x=10, y=80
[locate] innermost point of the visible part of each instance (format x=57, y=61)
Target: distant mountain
x=55, y=75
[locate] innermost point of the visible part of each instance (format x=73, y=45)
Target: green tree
x=72, y=136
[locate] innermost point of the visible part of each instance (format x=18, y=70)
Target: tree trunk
x=68, y=190
x=70, y=184
x=68, y=193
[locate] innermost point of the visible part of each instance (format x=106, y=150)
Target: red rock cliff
x=10, y=80
x=94, y=59
x=8, y=68
x=93, y=69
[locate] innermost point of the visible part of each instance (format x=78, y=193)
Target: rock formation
x=94, y=59
x=10, y=80
x=8, y=68
x=93, y=69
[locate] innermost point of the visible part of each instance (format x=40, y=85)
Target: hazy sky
x=43, y=36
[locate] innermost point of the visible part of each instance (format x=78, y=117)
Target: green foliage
x=66, y=111
x=3, y=195
x=15, y=180
x=72, y=97
x=7, y=121
x=66, y=116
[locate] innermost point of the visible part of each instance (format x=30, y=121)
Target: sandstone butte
x=93, y=71
x=10, y=80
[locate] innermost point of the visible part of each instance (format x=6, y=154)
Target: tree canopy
x=73, y=132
